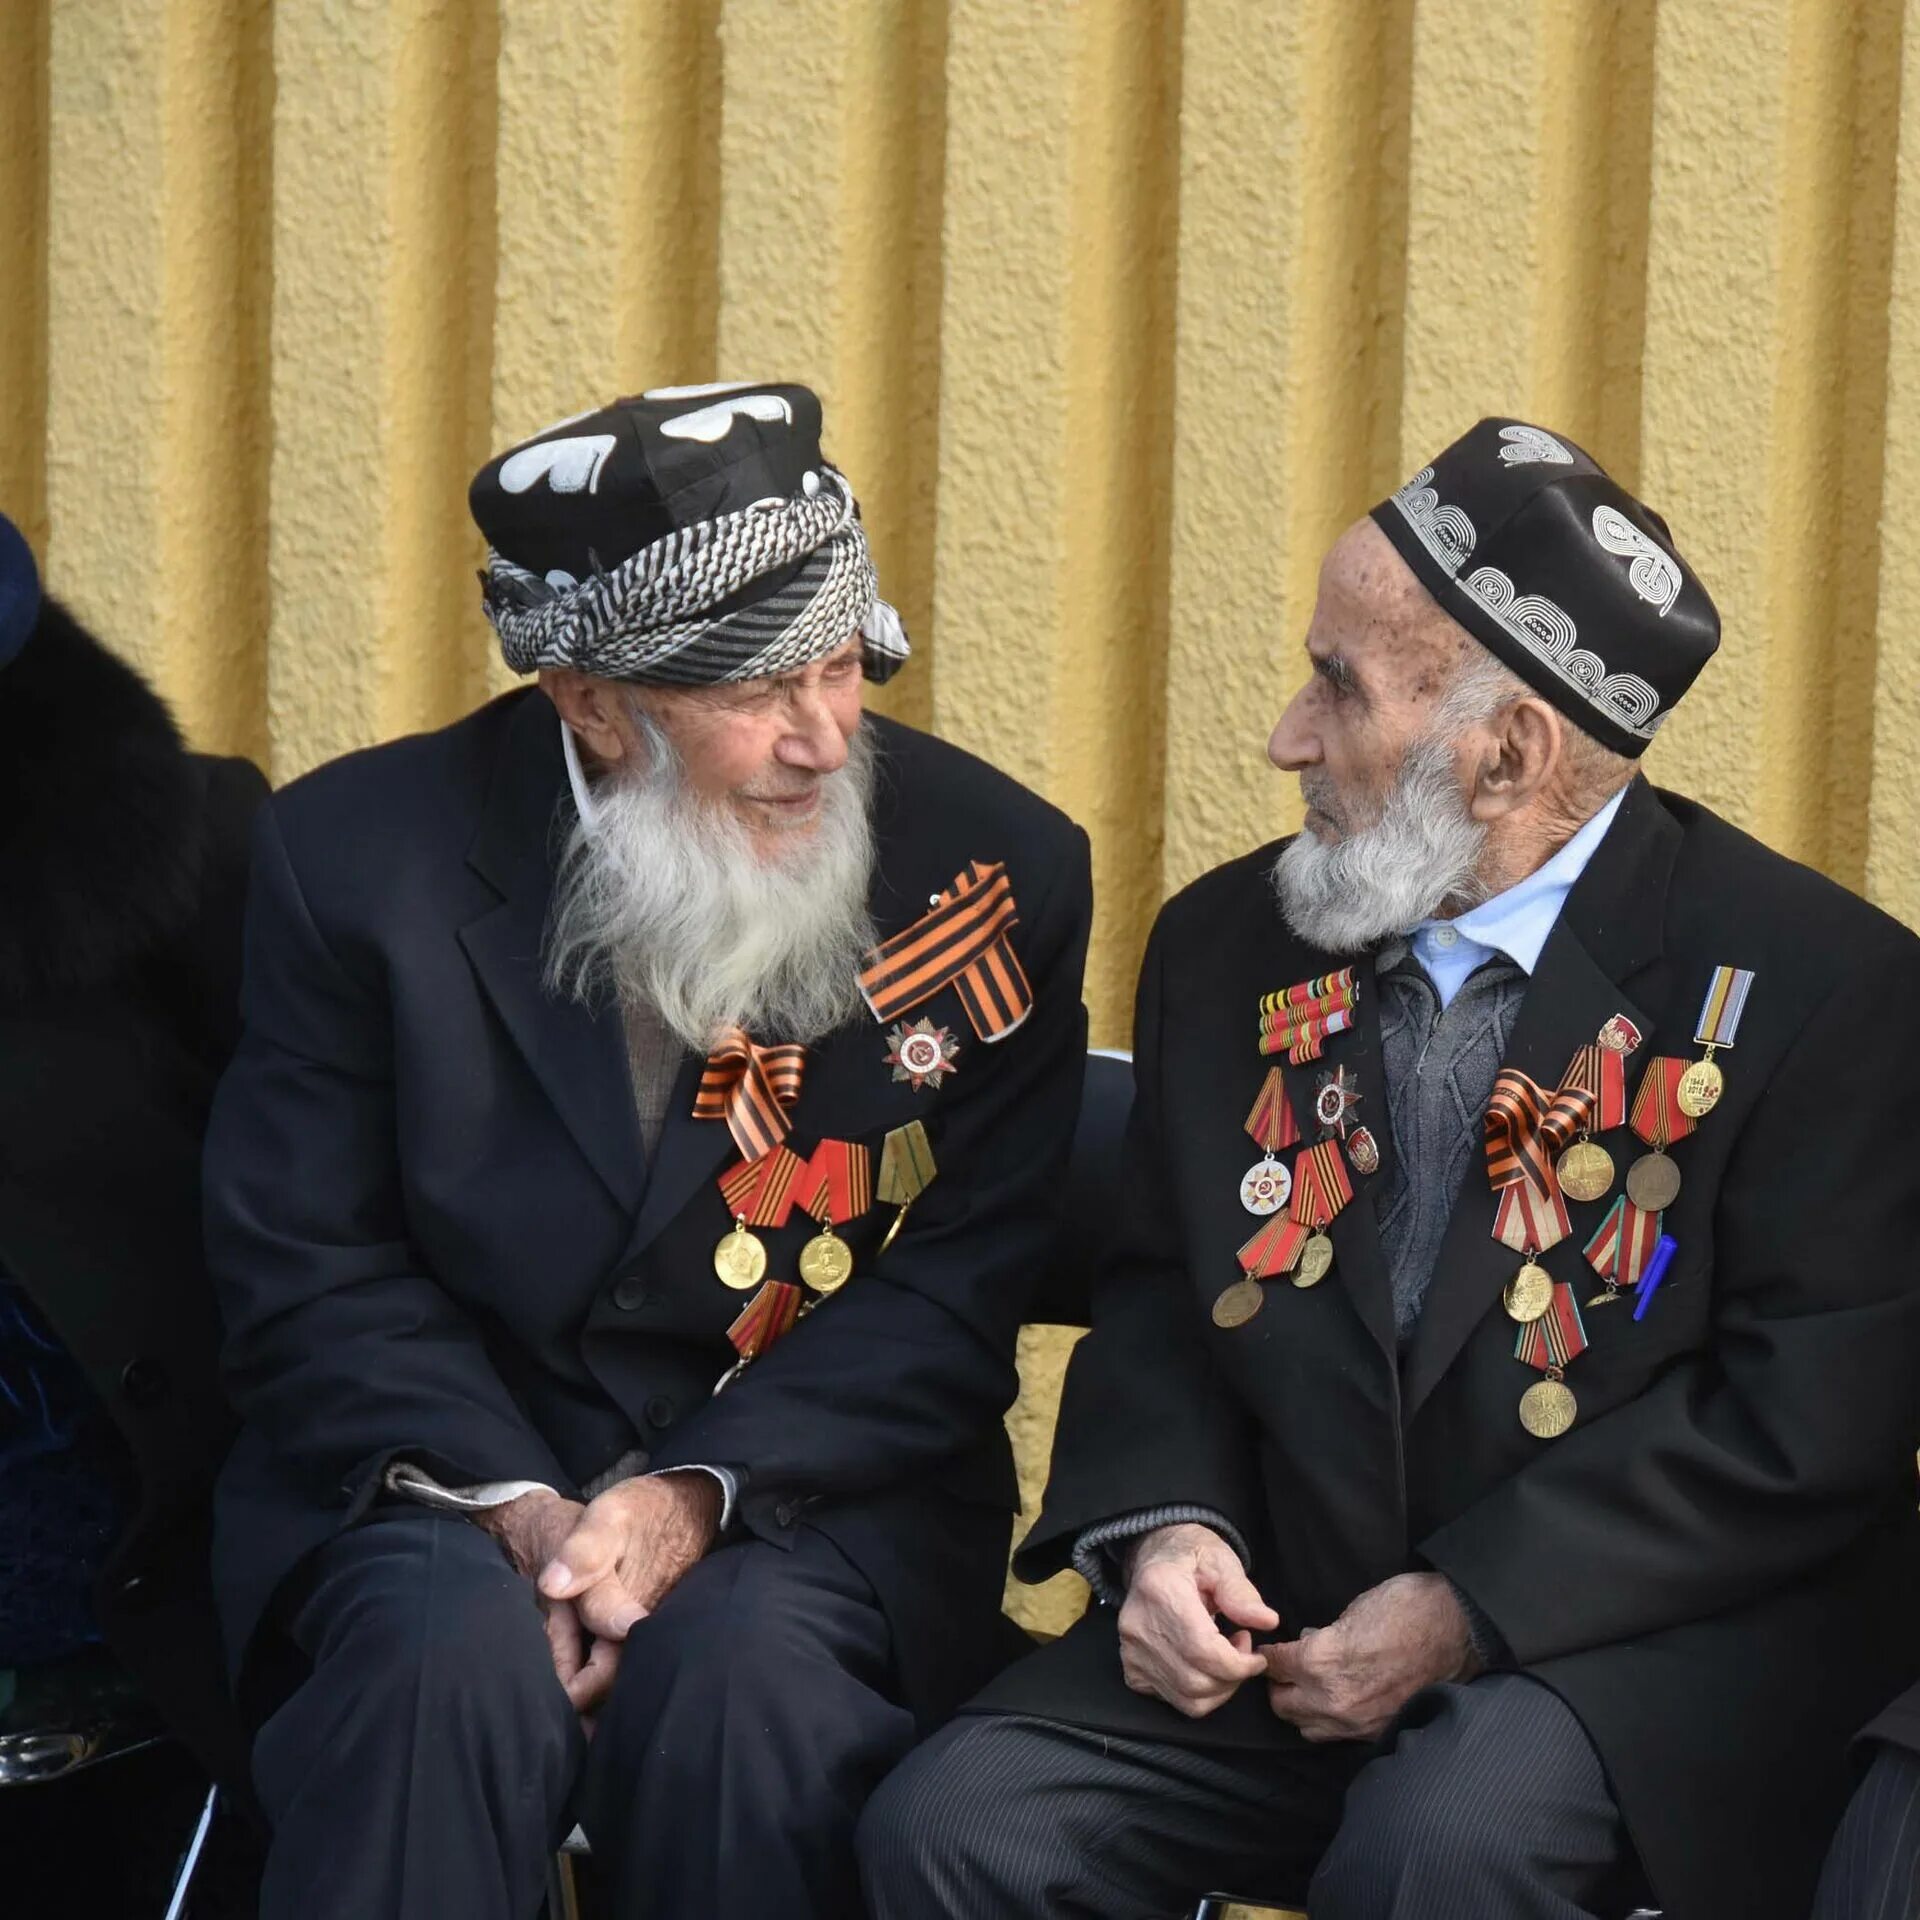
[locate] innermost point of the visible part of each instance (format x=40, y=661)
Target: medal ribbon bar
x=1624, y=1243
x=1720, y=1012
x=1557, y=1338
x=1321, y=1184
x=1658, y=1117
x=1271, y=1122
x=761, y=1192
x=962, y=943
x=750, y=1087
x=839, y=1182
x=1531, y=1219
x=1299, y=1020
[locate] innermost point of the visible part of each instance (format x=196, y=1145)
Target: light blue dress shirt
x=1515, y=922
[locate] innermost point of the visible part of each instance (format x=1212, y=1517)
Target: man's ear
x=1523, y=751
x=590, y=707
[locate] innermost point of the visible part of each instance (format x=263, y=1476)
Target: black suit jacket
x=436, y=1234
x=1717, y=1566
x=122, y=868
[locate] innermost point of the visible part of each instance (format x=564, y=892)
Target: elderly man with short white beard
x=653, y=1095
x=1502, y=1490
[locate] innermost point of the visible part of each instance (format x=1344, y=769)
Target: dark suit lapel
x=1358, y=1261
x=579, y=1057
x=1608, y=931
x=690, y=1151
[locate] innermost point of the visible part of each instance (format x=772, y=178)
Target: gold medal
x=1586, y=1171
x=1700, y=1088
x=1529, y=1293
x=826, y=1262
x=1653, y=1182
x=1238, y=1305
x=741, y=1258
x=1547, y=1409
x=1316, y=1262
x=1605, y=1297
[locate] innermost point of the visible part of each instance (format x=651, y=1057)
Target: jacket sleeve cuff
x=1099, y=1553
x=729, y=1486
x=1489, y=1644
x=407, y=1482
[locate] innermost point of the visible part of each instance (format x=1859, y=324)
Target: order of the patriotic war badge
x=921, y=1054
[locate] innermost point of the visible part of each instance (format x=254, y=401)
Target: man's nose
x=813, y=741
x=1294, y=745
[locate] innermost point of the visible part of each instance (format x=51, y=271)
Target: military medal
x=1363, y=1151
x=839, y=1188
x=1334, y=1101
x=1267, y=1185
x=1238, y=1304
x=1274, y=1249
x=921, y=1054
x=741, y=1258
x=1550, y=1345
x=1529, y=1221
x=1585, y=1169
x=1529, y=1293
x=1703, y=1083
x=1653, y=1181
x=1321, y=1188
x=769, y=1316
x=1621, y=1248
x=1299, y=1020
x=906, y=1172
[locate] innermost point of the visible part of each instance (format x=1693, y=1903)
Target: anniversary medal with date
x=838, y=1188
x=1321, y=1187
x=1550, y=1345
x=1267, y=1185
x=1703, y=1083
x=758, y=1193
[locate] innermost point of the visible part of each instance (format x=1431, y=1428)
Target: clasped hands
x=600, y=1568
x=1340, y=1682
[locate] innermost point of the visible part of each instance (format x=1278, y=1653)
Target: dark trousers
x=1873, y=1872
x=430, y=1762
x=1487, y=1802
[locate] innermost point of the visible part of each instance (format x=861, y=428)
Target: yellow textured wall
x=1120, y=310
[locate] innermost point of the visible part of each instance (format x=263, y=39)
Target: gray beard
x=1417, y=857
x=665, y=903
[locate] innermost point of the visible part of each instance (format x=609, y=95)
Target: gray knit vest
x=1440, y=1069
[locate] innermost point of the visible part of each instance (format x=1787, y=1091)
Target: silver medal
x=1267, y=1188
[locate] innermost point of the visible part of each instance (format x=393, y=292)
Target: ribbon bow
x=962, y=942
x=750, y=1088
x=1527, y=1128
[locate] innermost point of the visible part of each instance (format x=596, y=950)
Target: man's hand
x=628, y=1550
x=1347, y=1681
x=1182, y=1576
x=530, y=1531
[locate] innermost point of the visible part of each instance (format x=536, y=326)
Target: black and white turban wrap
x=1561, y=573
x=691, y=536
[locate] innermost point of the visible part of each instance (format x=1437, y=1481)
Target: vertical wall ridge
x=24, y=81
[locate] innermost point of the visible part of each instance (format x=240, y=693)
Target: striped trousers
x=1873, y=1872
x=1487, y=1802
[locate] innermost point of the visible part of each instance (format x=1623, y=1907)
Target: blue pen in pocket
x=1664, y=1250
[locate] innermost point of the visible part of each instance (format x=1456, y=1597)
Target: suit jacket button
x=785, y=1512
x=659, y=1411
x=629, y=1292
x=144, y=1382
x=136, y=1591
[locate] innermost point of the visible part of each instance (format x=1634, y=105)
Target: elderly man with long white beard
x=652, y=1100
x=1504, y=1486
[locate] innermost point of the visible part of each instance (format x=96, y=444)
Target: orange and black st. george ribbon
x=962, y=943
x=750, y=1087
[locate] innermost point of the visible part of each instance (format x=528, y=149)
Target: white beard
x=665, y=902
x=1418, y=855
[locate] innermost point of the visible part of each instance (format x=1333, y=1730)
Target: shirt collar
x=1518, y=921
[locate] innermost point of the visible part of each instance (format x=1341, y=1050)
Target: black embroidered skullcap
x=687, y=536
x=19, y=590
x=1561, y=574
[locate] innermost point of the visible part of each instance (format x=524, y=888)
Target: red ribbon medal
x=1531, y=1219
x=761, y=1192
x=1550, y=1345
x=1621, y=1247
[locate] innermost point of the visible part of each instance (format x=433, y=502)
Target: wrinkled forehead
x=1375, y=610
